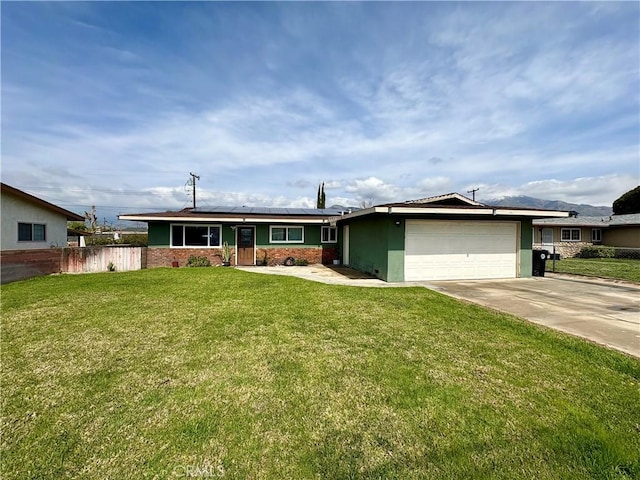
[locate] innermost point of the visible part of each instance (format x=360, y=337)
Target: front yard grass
x=220, y=373
x=617, y=268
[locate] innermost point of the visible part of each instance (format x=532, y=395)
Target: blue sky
x=113, y=104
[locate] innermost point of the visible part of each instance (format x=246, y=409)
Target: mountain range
x=530, y=202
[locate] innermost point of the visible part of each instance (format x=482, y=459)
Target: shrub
x=95, y=240
x=195, y=261
x=135, y=239
x=630, y=253
x=597, y=252
x=302, y=262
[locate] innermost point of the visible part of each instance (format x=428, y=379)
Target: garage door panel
x=438, y=250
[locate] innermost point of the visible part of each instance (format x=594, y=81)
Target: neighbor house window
x=570, y=234
x=32, y=232
x=286, y=234
x=596, y=235
x=329, y=234
x=195, y=235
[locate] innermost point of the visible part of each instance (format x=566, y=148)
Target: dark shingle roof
x=297, y=212
x=579, y=221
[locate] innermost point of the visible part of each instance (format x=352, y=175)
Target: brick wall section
x=329, y=254
x=163, y=257
x=22, y=264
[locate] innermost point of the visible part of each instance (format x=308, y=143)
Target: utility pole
x=193, y=184
x=473, y=192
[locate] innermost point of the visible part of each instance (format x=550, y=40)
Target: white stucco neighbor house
x=28, y=222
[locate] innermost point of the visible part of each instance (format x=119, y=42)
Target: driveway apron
x=605, y=312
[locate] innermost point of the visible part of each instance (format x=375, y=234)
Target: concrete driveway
x=605, y=312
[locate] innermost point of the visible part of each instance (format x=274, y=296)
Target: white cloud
x=435, y=184
x=505, y=97
x=373, y=190
x=601, y=190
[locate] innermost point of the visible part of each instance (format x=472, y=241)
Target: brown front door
x=246, y=246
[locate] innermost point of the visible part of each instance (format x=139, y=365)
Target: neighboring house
x=28, y=222
x=447, y=237
x=569, y=235
x=255, y=235
x=444, y=237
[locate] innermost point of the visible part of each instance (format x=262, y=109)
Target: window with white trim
x=286, y=234
x=596, y=235
x=32, y=232
x=570, y=234
x=329, y=234
x=203, y=236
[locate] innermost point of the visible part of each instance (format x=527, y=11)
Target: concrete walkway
x=604, y=311
x=324, y=274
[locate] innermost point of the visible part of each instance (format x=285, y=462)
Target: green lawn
x=219, y=373
x=618, y=268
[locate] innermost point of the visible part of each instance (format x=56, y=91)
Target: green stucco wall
x=158, y=234
x=395, y=236
x=311, y=236
x=376, y=246
x=526, y=242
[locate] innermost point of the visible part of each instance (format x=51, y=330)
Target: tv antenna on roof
x=192, y=182
x=473, y=193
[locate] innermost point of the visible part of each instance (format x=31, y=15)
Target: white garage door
x=444, y=250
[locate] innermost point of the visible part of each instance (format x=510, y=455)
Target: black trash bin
x=539, y=262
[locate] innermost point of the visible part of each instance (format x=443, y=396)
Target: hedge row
x=134, y=239
x=609, y=252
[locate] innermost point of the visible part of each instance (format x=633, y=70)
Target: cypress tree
x=321, y=197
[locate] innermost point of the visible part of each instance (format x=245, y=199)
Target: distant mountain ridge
x=530, y=202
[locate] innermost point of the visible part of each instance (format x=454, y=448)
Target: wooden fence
x=99, y=259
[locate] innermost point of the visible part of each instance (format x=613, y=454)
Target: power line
x=193, y=183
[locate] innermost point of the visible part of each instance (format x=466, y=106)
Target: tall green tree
x=321, y=198
x=628, y=202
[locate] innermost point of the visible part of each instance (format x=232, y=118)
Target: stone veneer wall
x=566, y=249
x=163, y=257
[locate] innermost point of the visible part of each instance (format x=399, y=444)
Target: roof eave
x=485, y=211
x=70, y=216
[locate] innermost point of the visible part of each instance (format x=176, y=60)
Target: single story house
x=444, y=237
x=569, y=235
x=447, y=237
x=29, y=222
x=256, y=236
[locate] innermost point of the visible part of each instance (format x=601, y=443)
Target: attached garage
x=440, y=250
x=448, y=237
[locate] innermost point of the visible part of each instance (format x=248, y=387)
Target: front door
x=245, y=254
